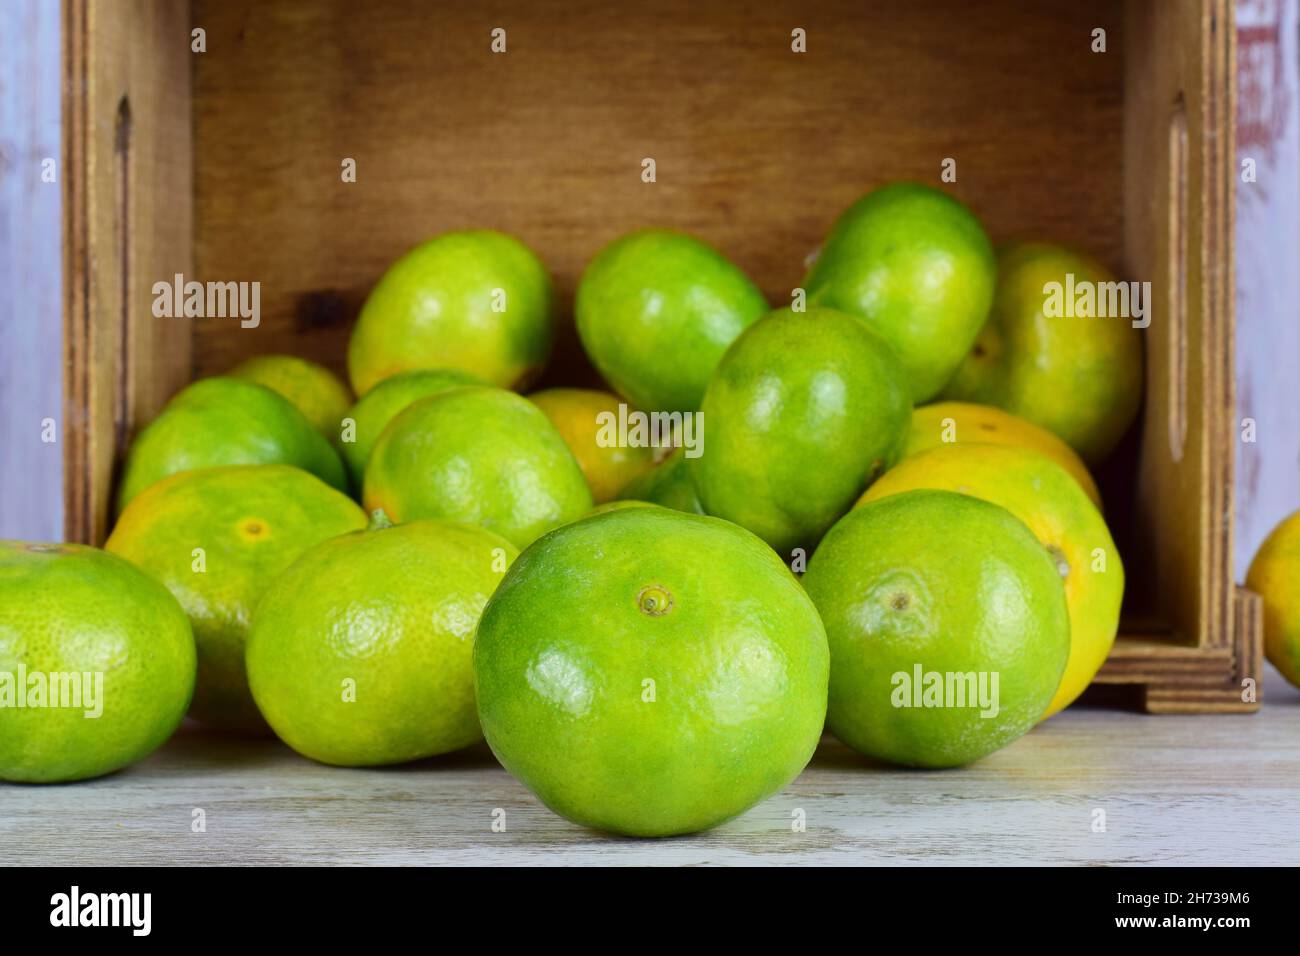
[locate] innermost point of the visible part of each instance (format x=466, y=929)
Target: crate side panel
x=128, y=203
x=1177, y=224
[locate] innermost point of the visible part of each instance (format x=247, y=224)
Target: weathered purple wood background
x=1268, y=268
x=31, y=303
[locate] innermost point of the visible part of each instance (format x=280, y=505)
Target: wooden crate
x=225, y=165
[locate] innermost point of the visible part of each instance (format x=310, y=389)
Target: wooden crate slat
x=128, y=211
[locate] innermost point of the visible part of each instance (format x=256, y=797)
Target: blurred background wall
x=1268, y=268
x=31, y=291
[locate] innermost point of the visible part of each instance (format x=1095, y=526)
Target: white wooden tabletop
x=1170, y=790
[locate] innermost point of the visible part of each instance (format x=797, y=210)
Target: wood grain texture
x=31, y=369
x=757, y=148
x=1174, y=790
x=127, y=206
x=1168, y=106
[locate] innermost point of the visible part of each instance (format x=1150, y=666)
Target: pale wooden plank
x=1175, y=790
